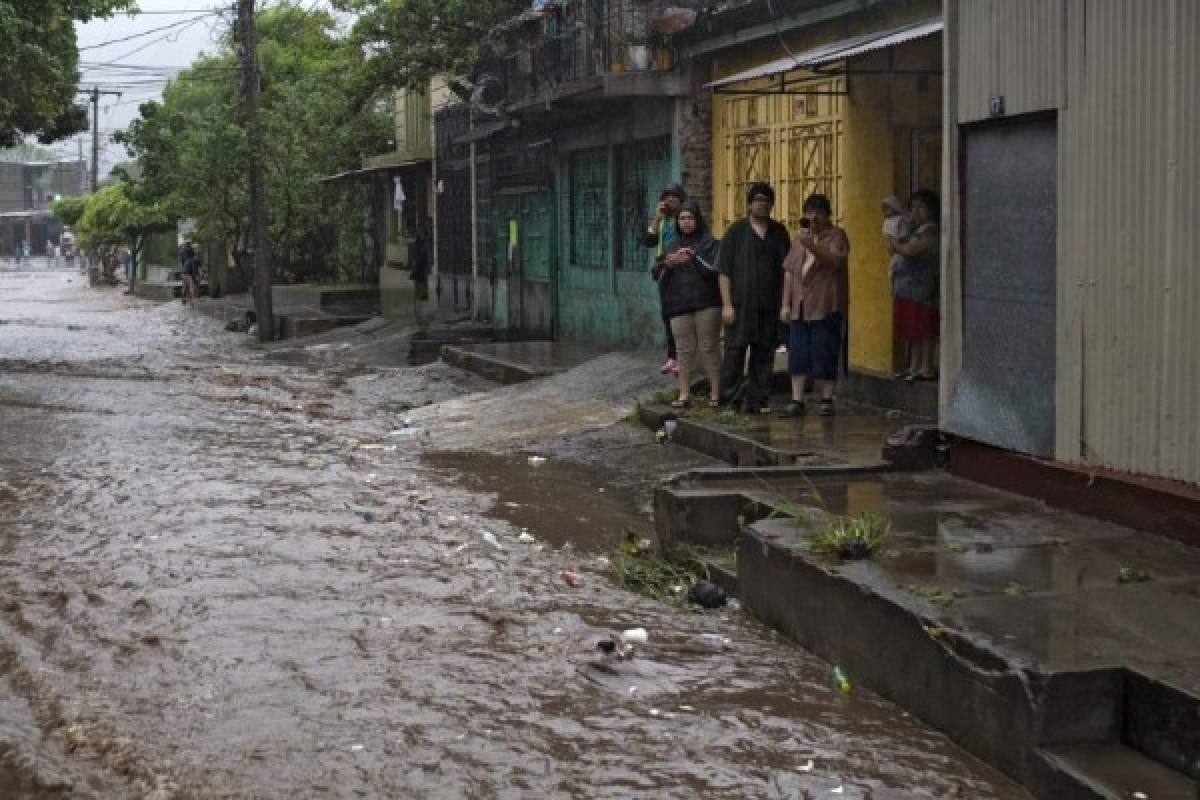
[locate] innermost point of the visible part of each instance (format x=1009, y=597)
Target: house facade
x=27, y=190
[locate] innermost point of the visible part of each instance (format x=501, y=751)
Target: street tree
x=413, y=41
x=69, y=210
x=318, y=116
x=39, y=60
x=115, y=215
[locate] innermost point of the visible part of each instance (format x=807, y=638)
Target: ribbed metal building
x=1071, y=260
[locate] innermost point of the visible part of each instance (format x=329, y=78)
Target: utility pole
x=95, y=94
x=258, y=249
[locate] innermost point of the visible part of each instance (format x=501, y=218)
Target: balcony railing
x=585, y=40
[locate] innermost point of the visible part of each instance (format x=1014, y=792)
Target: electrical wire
x=149, y=32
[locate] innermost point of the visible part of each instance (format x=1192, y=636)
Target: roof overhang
x=375, y=169
x=820, y=58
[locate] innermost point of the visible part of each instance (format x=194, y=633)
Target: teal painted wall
x=614, y=303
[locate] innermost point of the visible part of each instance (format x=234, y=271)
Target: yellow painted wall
x=874, y=124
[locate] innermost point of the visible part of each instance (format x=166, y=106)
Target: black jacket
x=689, y=287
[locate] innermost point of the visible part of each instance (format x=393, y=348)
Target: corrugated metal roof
x=837, y=51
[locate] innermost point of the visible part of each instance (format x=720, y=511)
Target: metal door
x=523, y=266
x=537, y=264
x=1005, y=395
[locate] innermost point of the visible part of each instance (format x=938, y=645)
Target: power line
x=133, y=36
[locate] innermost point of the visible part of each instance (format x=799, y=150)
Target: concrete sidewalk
x=1060, y=649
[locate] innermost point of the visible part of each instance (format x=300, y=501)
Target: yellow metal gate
x=794, y=142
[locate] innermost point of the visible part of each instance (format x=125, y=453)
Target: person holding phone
x=691, y=301
x=661, y=233
x=750, y=278
x=816, y=287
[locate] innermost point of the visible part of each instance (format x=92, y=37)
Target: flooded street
x=230, y=571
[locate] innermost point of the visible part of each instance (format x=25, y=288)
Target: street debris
x=526, y=538
x=713, y=642
x=491, y=539
x=707, y=595
x=840, y=680
x=805, y=767
x=1133, y=575
x=635, y=636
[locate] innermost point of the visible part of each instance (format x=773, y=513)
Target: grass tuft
x=850, y=537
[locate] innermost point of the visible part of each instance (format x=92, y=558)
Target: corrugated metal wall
x=1128, y=345
x=1129, y=308
x=1012, y=48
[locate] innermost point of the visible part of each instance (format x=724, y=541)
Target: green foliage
x=69, y=209
x=317, y=115
x=39, y=60
x=656, y=577
x=850, y=536
x=1133, y=575
x=114, y=215
x=412, y=41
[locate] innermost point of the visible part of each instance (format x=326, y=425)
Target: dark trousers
x=733, y=369
x=671, y=351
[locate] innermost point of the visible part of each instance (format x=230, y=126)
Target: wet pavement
x=236, y=571
x=1056, y=589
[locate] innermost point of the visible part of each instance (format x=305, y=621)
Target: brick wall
x=695, y=143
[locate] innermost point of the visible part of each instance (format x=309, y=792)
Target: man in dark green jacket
x=750, y=267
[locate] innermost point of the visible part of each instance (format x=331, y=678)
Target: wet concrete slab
x=854, y=437
x=515, y=362
x=1054, y=627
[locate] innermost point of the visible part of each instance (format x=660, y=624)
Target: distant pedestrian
x=662, y=232
x=420, y=263
x=750, y=264
x=815, y=293
x=126, y=258
x=915, y=279
x=691, y=302
x=189, y=264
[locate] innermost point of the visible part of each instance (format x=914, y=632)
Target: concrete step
x=1161, y=719
x=1108, y=771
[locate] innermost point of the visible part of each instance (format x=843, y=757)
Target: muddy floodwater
x=227, y=573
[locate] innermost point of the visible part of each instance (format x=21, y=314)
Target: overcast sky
x=134, y=54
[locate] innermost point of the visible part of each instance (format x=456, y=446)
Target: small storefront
x=857, y=118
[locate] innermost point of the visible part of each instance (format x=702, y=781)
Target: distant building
x=27, y=190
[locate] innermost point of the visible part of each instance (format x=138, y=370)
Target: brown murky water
x=222, y=576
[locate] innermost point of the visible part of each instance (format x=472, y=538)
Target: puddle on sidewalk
x=556, y=501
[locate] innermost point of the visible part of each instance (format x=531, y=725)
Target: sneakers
x=826, y=408
x=669, y=367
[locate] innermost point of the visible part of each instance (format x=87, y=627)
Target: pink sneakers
x=669, y=367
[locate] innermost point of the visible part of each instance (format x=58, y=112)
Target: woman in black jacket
x=692, y=302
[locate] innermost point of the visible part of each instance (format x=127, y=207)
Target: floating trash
x=841, y=681
x=635, y=636
x=537, y=461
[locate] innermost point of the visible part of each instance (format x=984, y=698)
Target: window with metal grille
x=591, y=229
x=643, y=169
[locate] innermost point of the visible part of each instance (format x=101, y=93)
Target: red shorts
x=915, y=321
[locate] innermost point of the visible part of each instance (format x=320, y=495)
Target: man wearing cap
x=750, y=275
x=662, y=231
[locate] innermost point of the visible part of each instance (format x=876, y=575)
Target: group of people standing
x=765, y=287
